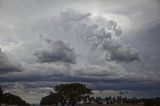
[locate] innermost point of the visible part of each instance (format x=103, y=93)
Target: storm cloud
x=109, y=45
x=7, y=66
x=57, y=51
x=120, y=52
x=94, y=32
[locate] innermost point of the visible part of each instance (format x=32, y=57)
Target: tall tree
x=1, y=90
x=73, y=92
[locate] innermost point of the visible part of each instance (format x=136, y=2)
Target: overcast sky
x=110, y=45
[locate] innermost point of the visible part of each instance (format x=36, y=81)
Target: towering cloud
x=94, y=44
x=97, y=31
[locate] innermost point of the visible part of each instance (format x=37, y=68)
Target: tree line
x=71, y=94
x=75, y=93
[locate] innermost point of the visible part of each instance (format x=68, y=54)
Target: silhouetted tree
x=10, y=99
x=152, y=102
x=1, y=94
x=72, y=92
x=91, y=100
x=119, y=99
x=99, y=100
x=50, y=99
x=1, y=90
x=113, y=100
x=107, y=100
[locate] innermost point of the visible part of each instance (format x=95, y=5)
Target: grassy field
x=113, y=105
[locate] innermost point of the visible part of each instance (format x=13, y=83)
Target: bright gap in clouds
x=123, y=21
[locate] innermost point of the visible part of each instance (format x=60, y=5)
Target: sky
x=112, y=46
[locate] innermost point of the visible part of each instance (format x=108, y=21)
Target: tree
x=1, y=90
x=106, y=99
x=152, y=102
x=10, y=99
x=72, y=93
x=1, y=94
x=50, y=99
x=99, y=100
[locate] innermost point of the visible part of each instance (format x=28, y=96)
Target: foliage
x=10, y=99
x=1, y=91
x=72, y=92
x=1, y=94
x=99, y=100
x=50, y=99
x=152, y=102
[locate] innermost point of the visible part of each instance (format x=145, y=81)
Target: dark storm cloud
x=58, y=51
x=94, y=83
x=127, y=85
x=120, y=52
x=6, y=66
